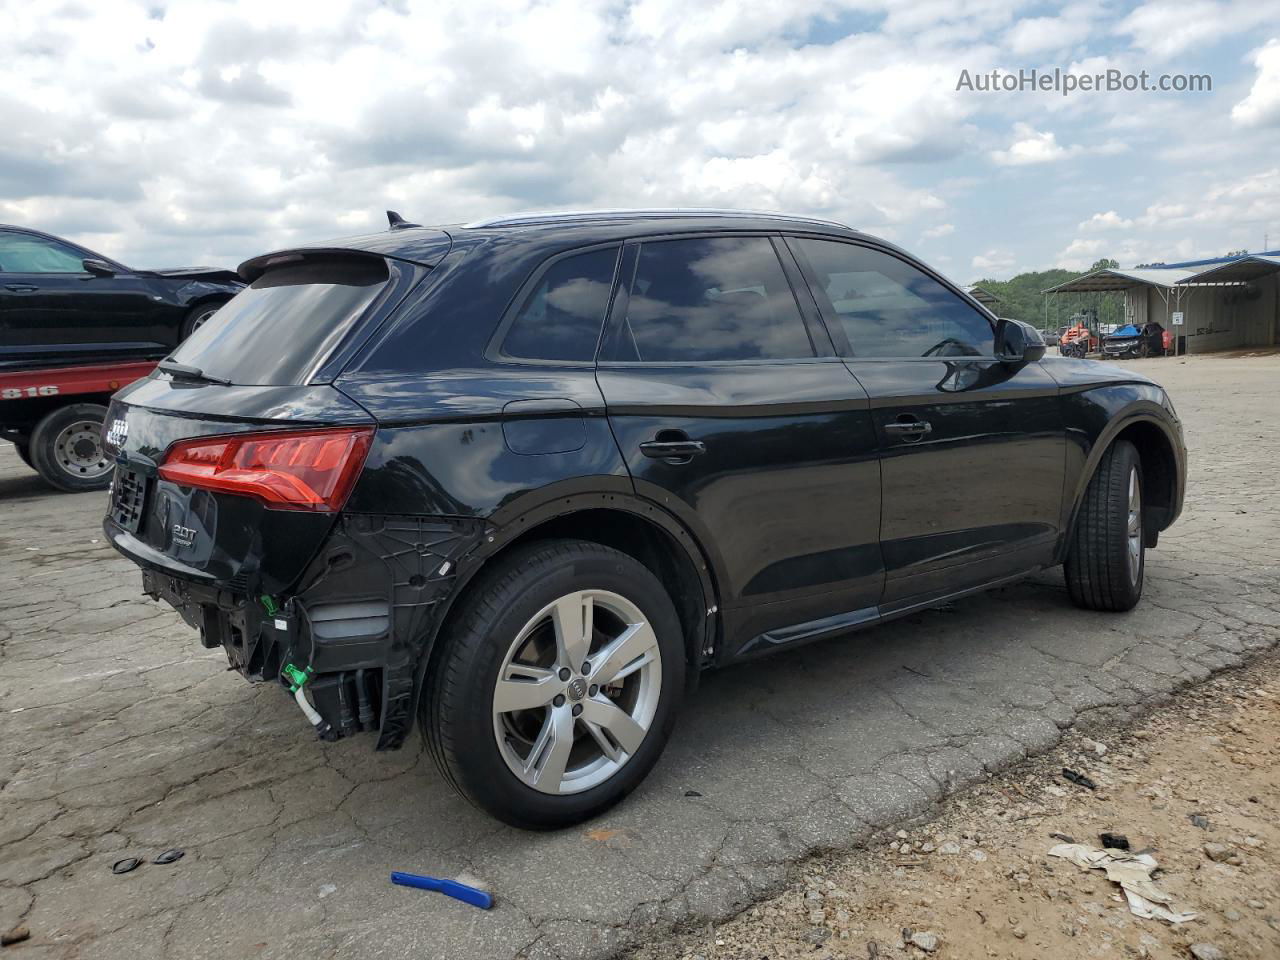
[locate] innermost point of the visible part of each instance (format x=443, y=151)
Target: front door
x=972, y=449
x=53, y=310
x=733, y=413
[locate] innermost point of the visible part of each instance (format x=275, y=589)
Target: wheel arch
x=1157, y=450
x=631, y=525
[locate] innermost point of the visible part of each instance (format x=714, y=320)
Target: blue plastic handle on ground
x=450, y=888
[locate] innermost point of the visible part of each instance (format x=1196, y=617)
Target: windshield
x=282, y=327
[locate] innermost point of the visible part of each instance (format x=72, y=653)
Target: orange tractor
x=1077, y=341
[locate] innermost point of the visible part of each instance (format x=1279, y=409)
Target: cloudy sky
x=168, y=133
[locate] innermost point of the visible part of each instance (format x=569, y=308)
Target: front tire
x=554, y=689
x=1107, y=558
x=66, y=448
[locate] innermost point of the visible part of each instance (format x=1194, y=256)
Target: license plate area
x=128, y=498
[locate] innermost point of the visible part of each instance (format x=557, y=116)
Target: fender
x=546, y=504
x=1141, y=411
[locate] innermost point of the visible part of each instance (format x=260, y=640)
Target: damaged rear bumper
x=360, y=621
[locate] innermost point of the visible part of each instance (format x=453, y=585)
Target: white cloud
x=187, y=131
x=1261, y=108
x=1031, y=146
x=1166, y=28
x=1105, y=221
x=1046, y=34
x=994, y=261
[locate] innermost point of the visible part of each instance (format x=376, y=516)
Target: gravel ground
x=1197, y=783
x=122, y=737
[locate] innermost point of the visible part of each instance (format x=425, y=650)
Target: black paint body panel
x=803, y=515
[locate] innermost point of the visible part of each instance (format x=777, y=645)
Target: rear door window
x=562, y=316
x=710, y=299
x=282, y=327
x=888, y=308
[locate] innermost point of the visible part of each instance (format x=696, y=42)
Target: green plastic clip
x=269, y=604
x=295, y=678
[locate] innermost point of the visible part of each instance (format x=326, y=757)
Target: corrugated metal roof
x=1210, y=261
x=1104, y=280
x=984, y=296
x=1240, y=270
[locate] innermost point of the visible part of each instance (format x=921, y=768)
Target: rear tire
x=1107, y=558
x=66, y=448
x=591, y=730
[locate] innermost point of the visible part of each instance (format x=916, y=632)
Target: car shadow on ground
x=21, y=487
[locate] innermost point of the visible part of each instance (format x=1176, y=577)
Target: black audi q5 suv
x=524, y=479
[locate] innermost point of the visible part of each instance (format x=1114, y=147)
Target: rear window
x=283, y=326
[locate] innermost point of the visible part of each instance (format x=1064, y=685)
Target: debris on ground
x=1212, y=753
x=1112, y=841
x=928, y=942
x=169, y=856
x=1133, y=873
x=16, y=935
x=450, y=888
x=126, y=865
x=1078, y=778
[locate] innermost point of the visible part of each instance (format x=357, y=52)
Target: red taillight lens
x=286, y=470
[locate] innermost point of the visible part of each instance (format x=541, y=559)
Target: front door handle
x=909, y=428
x=21, y=287
x=673, y=446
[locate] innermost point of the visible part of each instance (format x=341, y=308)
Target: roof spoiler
x=253, y=268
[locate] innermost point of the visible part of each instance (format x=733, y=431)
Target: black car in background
x=62, y=304
x=74, y=327
x=524, y=479
x=1134, y=340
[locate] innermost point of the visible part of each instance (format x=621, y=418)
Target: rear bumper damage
x=359, y=623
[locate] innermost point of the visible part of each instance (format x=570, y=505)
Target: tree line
x=1021, y=297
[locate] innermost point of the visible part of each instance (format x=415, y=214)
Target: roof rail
x=558, y=216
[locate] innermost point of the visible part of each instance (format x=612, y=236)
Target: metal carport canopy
x=1253, y=267
x=1101, y=281
x=984, y=296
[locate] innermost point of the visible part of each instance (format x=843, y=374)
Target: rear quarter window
x=282, y=327
x=561, y=317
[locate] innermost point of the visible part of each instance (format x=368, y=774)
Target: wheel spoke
x=525, y=687
x=602, y=712
x=572, y=618
x=625, y=654
x=545, y=765
x=604, y=742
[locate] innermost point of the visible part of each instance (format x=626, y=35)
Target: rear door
x=53, y=310
x=732, y=411
x=973, y=450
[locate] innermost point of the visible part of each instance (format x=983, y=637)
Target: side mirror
x=1018, y=342
x=99, y=268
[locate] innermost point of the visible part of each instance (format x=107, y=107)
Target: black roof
x=428, y=245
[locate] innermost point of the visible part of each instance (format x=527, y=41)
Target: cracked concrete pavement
x=123, y=737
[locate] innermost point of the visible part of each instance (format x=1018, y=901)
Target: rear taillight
x=286, y=470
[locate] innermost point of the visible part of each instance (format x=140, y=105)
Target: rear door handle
x=673, y=450
x=908, y=429
x=21, y=287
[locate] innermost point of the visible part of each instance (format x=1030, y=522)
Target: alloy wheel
x=1133, y=529
x=577, y=691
